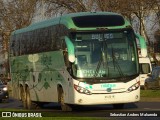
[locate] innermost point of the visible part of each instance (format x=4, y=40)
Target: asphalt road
x=145, y=105
x=103, y=111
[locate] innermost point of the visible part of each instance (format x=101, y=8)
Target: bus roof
x=69, y=22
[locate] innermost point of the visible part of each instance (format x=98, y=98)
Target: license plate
x=109, y=97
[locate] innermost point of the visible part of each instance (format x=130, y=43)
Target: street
x=90, y=111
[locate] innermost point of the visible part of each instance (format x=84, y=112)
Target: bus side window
x=22, y=44
x=53, y=38
x=16, y=47
x=34, y=42
x=31, y=39
x=12, y=46
x=48, y=38
x=58, y=36
x=40, y=40
x=43, y=41
x=27, y=45
x=63, y=43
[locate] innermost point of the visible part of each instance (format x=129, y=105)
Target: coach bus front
x=105, y=69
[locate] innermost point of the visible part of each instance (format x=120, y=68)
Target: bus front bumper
x=83, y=99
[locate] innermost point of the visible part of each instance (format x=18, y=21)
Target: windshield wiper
x=104, y=46
x=98, y=67
x=115, y=63
x=106, y=55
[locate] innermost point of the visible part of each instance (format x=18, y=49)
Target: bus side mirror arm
x=69, y=70
x=70, y=48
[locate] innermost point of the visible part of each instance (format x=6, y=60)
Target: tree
x=14, y=14
x=71, y=6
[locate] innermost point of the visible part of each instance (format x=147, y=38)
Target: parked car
x=153, y=82
x=145, y=69
x=3, y=91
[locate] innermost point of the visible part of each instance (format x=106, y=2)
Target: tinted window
x=12, y=45
x=39, y=40
x=98, y=21
x=17, y=46
x=144, y=68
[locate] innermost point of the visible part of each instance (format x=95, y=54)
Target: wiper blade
x=103, y=58
x=106, y=56
x=98, y=67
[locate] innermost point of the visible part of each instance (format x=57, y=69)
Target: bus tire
x=39, y=105
x=21, y=93
x=30, y=103
x=118, y=106
x=64, y=106
x=23, y=97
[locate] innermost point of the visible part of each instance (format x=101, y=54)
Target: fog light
x=136, y=97
x=80, y=100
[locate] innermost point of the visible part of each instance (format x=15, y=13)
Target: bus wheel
x=39, y=105
x=118, y=106
x=64, y=107
x=23, y=97
x=30, y=104
x=21, y=94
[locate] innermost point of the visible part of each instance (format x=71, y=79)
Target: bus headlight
x=134, y=87
x=82, y=90
x=5, y=89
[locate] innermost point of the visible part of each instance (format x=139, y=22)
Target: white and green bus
x=76, y=59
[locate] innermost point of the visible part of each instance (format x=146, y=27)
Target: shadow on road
x=12, y=103
x=55, y=106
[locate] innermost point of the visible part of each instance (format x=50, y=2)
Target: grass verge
x=150, y=93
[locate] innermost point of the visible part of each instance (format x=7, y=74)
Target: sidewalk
x=147, y=99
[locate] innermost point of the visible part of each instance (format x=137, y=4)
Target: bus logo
x=109, y=89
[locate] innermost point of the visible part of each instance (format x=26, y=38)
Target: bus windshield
x=105, y=55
